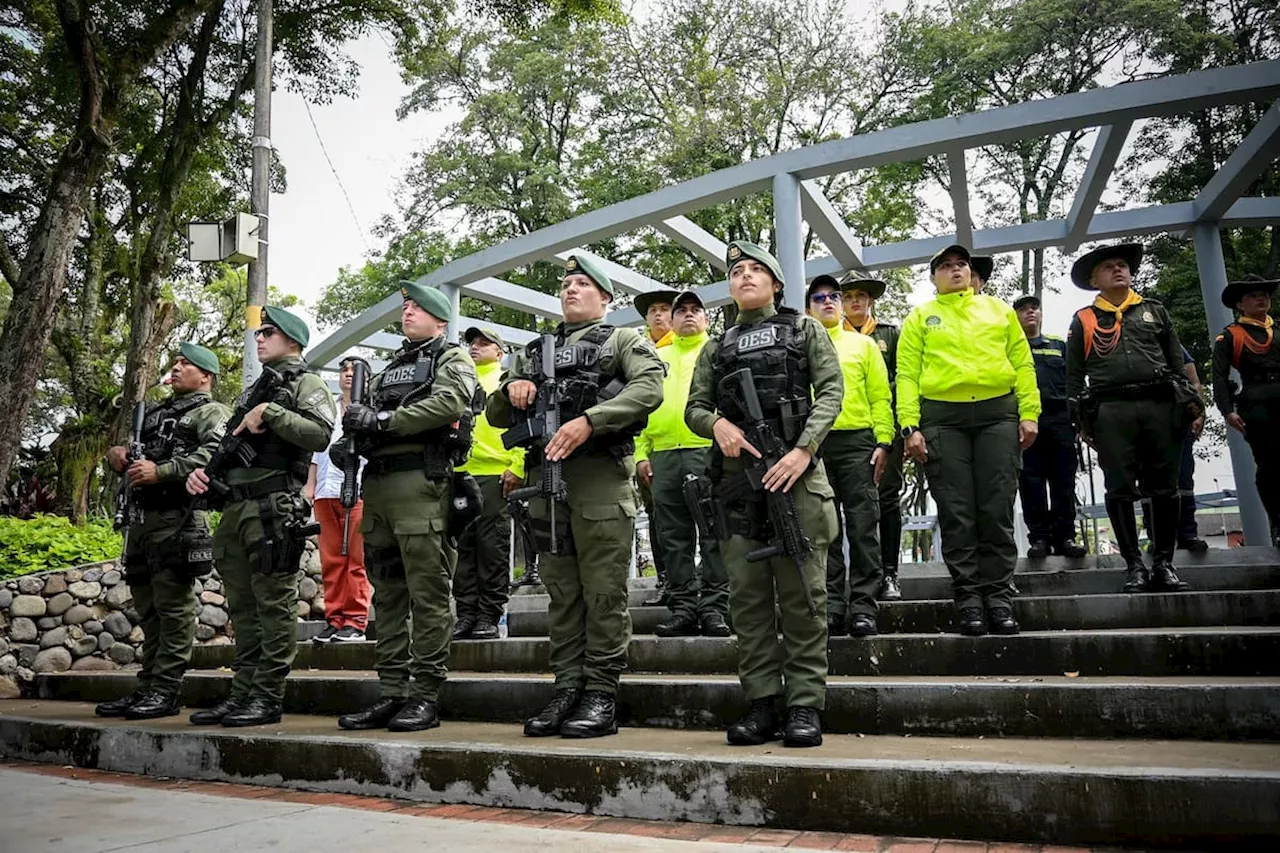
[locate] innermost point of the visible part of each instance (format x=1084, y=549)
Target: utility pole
x=260, y=193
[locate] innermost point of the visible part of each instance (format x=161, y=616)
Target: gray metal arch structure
x=798, y=200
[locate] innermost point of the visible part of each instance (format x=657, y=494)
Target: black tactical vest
x=273, y=451
x=408, y=379
x=773, y=350
x=585, y=382
x=166, y=434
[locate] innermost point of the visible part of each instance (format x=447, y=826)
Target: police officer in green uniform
x=257, y=547
x=796, y=373
x=968, y=404
x=613, y=381
x=169, y=548
x=484, y=548
x=1049, y=465
x=1248, y=345
x=667, y=451
x=1125, y=348
x=410, y=433
x=860, y=295
x=854, y=452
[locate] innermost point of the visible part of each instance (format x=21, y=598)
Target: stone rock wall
x=84, y=619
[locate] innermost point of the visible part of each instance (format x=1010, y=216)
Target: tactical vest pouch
x=465, y=503
x=794, y=412
x=284, y=533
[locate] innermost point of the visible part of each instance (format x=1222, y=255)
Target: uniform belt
x=253, y=491
x=165, y=496
x=1157, y=390
x=395, y=463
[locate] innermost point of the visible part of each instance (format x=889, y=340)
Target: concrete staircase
x=1148, y=720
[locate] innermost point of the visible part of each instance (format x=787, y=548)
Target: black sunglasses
x=265, y=332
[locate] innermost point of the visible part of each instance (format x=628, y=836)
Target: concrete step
x=1151, y=793
x=1035, y=613
x=1051, y=706
x=1224, y=651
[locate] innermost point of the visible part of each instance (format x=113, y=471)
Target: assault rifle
x=350, y=493
x=786, y=537
x=235, y=451
x=536, y=429
x=127, y=512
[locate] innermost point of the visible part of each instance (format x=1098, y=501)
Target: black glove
x=360, y=418
x=338, y=454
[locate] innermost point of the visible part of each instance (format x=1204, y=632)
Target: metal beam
x=960, y=197
x=510, y=334
x=702, y=243
x=830, y=226
x=1106, y=150
x=1251, y=158
x=788, y=237
x=625, y=277
x=383, y=340
x=495, y=291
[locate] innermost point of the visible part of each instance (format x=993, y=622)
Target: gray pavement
x=44, y=814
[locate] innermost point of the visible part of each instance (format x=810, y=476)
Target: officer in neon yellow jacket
x=484, y=549
x=855, y=451
x=968, y=404
x=666, y=451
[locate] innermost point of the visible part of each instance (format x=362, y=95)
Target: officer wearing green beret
x=169, y=548
x=608, y=380
x=855, y=452
x=415, y=432
x=258, y=545
x=484, y=549
x=788, y=355
x=968, y=405
x=1124, y=347
x=860, y=295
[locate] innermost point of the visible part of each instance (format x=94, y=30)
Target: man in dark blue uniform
x=1049, y=464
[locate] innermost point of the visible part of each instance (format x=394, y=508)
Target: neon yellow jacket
x=962, y=348
x=868, y=401
x=488, y=457
x=666, y=429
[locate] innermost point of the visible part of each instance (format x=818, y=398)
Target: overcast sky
x=314, y=233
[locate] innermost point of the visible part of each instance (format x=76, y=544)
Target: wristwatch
x=908, y=431
x=384, y=418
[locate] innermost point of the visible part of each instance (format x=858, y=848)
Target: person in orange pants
x=347, y=591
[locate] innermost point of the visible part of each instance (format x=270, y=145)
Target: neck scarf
x=1129, y=301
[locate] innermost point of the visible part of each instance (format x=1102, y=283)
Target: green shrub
x=53, y=542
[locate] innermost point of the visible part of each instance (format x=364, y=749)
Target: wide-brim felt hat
x=1236, y=290
x=645, y=301
x=983, y=265
x=954, y=248
x=288, y=322
x=873, y=287
x=1082, y=269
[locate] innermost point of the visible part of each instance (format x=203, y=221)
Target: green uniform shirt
x=825, y=379
x=868, y=402
x=886, y=337
x=488, y=456
x=964, y=348
x=208, y=422
x=666, y=429
x=451, y=391
x=302, y=415
x=1147, y=347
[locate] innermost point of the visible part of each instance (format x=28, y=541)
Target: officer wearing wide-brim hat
x=617, y=376
x=655, y=308
x=409, y=431
x=178, y=435
x=480, y=584
x=797, y=377
x=255, y=546
x=1125, y=348
x=1249, y=346
x=860, y=295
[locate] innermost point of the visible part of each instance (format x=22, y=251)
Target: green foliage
x=53, y=542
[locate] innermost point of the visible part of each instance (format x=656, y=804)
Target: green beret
x=740, y=249
x=202, y=357
x=489, y=334
x=288, y=322
x=429, y=299
x=954, y=248
x=586, y=266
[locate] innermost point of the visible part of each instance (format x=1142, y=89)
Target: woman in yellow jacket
x=968, y=405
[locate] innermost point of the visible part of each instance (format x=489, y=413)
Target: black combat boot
x=889, y=588
x=258, y=711
x=1164, y=526
x=836, y=625
x=1038, y=549
x=682, y=625
x=804, y=727
x=485, y=629
x=714, y=625
x=117, y=707
x=376, y=716
x=862, y=625
x=970, y=622
x=213, y=716
x=1069, y=548
x=1001, y=621
x=1124, y=526
x=417, y=715
x=595, y=716
x=463, y=627
x=152, y=705
x=549, y=719
x=760, y=725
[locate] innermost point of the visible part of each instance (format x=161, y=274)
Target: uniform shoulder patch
x=314, y=398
